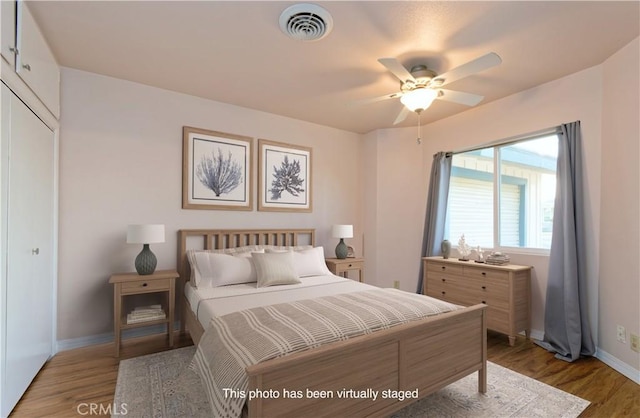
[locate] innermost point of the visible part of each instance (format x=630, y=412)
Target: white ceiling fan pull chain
x=419, y=128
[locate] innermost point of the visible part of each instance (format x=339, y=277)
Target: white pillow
x=285, y=248
x=248, y=254
x=214, y=269
x=275, y=269
x=240, y=251
x=310, y=262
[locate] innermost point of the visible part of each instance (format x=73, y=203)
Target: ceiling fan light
x=419, y=99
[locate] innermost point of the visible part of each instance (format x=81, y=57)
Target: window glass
x=470, y=205
x=514, y=209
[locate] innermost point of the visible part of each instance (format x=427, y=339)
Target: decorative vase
x=446, y=248
x=341, y=249
x=146, y=261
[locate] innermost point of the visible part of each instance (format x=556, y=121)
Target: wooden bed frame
x=426, y=355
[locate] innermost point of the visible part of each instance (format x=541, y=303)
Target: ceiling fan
x=420, y=86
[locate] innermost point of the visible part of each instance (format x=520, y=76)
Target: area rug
x=162, y=386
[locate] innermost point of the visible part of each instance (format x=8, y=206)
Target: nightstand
x=340, y=266
x=127, y=284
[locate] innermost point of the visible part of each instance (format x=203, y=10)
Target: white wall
x=370, y=206
x=402, y=178
x=620, y=204
x=610, y=136
x=121, y=163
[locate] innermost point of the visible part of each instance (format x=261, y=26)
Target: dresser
x=506, y=290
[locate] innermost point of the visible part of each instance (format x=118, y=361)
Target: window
x=512, y=210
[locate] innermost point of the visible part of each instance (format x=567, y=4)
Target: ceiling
x=234, y=51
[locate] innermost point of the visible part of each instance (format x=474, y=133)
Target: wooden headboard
x=210, y=239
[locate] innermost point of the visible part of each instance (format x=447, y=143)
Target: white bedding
x=217, y=301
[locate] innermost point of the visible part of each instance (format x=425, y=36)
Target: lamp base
x=341, y=249
x=146, y=261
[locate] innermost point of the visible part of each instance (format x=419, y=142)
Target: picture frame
x=284, y=177
x=216, y=170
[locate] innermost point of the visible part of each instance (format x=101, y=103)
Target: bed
x=418, y=357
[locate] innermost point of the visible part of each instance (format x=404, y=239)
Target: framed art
x=284, y=177
x=216, y=170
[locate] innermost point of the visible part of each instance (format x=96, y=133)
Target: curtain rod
x=505, y=141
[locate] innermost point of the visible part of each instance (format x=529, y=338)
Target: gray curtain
x=436, y=208
x=566, y=322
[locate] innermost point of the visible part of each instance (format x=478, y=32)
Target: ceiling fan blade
x=402, y=115
x=467, y=99
x=397, y=69
x=378, y=99
x=477, y=65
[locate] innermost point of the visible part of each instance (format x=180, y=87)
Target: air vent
x=306, y=22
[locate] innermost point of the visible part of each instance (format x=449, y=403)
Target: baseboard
x=70, y=344
x=611, y=361
x=618, y=365
x=535, y=334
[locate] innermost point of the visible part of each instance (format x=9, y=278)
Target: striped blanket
x=248, y=337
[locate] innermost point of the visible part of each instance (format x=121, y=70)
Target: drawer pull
x=144, y=285
x=443, y=267
x=350, y=265
x=484, y=287
x=443, y=292
x=484, y=301
x=26, y=67
x=484, y=273
x=444, y=280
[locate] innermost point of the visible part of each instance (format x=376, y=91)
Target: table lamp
x=146, y=261
x=342, y=232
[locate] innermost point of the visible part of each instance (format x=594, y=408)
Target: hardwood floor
x=611, y=394
x=74, y=380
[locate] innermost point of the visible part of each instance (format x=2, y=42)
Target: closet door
x=29, y=274
x=8, y=31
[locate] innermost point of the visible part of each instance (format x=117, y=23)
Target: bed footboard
x=409, y=361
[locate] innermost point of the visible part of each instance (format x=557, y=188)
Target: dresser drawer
x=436, y=267
x=447, y=294
x=484, y=273
x=438, y=277
x=488, y=289
x=142, y=286
x=354, y=265
x=451, y=291
x=437, y=292
x=494, y=301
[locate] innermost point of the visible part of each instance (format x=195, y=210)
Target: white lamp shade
x=145, y=234
x=342, y=231
x=419, y=99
